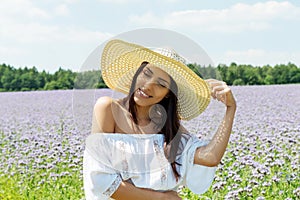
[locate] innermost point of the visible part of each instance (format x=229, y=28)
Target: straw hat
x=121, y=59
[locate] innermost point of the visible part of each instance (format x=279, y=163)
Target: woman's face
x=152, y=85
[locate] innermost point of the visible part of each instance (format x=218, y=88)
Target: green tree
x=7, y=78
x=53, y=85
x=194, y=67
x=64, y=79
x=89, y=80
x=222, y=69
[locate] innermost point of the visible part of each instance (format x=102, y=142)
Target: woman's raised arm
x=211, y=154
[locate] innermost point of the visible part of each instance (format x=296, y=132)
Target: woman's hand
x=171, y=195
x=168, y=195
x=129, y=191
x=221, y=92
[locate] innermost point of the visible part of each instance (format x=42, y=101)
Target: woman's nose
x=149, y=84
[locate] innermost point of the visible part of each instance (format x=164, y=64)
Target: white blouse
x=110, y=158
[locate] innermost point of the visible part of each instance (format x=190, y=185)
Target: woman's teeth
x=143, y=94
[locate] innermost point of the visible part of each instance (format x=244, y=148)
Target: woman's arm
x=127, y=191
x=211, y=154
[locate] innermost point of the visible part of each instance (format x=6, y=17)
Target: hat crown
x=171, y=53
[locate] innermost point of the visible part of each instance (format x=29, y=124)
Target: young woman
x=139, y=149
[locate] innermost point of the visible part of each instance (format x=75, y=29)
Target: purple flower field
x=42, y=135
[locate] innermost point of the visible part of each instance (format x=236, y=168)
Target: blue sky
x=50, y=34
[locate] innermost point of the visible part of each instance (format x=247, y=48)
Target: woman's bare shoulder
x=104, y=101
x=103, y=119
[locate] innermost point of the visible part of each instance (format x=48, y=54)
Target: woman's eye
x=146, y=73
x=162, y=85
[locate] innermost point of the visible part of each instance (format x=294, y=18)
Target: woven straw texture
x=120, y=60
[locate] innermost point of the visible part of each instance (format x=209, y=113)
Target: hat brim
x=121, y=59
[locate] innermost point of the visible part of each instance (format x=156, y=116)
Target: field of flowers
x=42, y=137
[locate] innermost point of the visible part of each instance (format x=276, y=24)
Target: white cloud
x=119, y=1
x=83, y=36
x=21, y=9
x=29, y=37
x=34, y=33
x=260, y=57
x=11, y=51
x=71, y=1
x=250, y=53
x=23, y=22
x=62, y=10
x=135, y=1
x=239, y=17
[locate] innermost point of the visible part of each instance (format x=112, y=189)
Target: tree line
x=28, y=79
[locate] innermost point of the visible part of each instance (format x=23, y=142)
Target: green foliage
x=27, y=79
x=89, y=80
x=254, y=75
x=205, y=72
x=238, y=81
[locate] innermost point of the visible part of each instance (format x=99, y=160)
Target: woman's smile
x=143, y=94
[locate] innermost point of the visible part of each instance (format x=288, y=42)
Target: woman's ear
x=167, y=96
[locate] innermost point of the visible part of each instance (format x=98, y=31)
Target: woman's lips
x=141, y=93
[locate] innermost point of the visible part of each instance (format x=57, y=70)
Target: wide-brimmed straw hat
x=120, y=60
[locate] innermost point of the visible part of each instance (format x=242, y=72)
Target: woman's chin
x=143, y=102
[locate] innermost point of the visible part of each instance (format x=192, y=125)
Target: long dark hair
x=171, y=127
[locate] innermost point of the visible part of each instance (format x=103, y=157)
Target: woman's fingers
x=221, y=92
x=214, y=82
x=216, y=87
x=220, y=95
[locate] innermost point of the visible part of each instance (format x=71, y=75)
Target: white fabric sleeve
x=99, y=183
x=198, y=177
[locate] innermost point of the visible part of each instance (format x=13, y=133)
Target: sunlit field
x=42, y=138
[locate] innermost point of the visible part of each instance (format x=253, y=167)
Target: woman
x=143, y=152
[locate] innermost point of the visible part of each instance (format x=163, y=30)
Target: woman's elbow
x=207, y=159
x=213, y=162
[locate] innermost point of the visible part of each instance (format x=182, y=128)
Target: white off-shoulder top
x=110, y=158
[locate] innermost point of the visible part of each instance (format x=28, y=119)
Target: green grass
x=41, y=185
x=233, y=180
